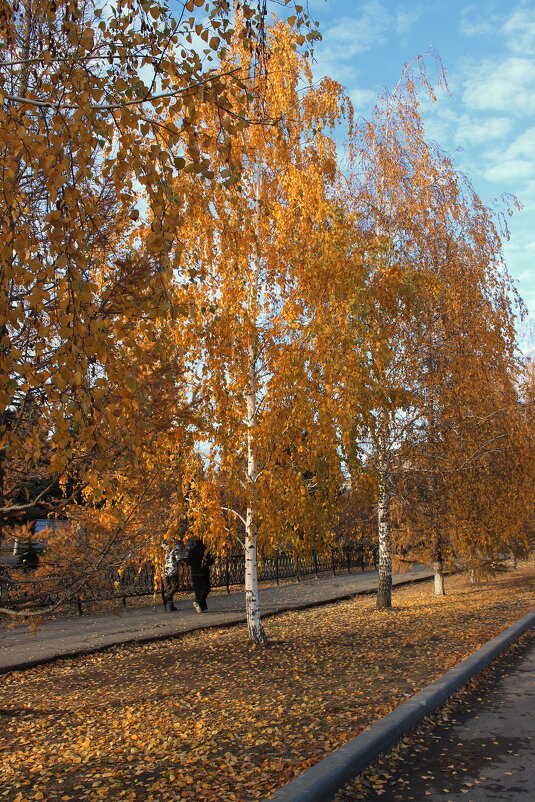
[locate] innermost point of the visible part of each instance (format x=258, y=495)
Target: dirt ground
x=211, y=718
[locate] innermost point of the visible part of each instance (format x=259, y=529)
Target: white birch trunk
x=384, y=532
x=437, y=556
x=252, y=602
x=438, y=571
x=384, y=586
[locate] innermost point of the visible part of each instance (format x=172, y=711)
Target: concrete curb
x=321, y=782
x=139, y=640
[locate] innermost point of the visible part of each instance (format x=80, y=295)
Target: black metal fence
x=22, y=591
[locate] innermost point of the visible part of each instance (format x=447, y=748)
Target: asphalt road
x=485, y=753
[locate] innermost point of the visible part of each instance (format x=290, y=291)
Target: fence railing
x=20, y=591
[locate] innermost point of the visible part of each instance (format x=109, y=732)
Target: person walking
x=29, y=558
x=200, y=560
x=174, y=558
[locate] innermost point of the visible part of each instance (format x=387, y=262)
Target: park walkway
x=90, y=633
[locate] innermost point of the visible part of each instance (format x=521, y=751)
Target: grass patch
x=210, y=718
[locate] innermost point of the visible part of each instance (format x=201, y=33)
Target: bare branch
x=32, y=503
x=237, y=514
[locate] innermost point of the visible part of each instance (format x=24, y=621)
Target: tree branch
x=114, y=106
x=237, y=514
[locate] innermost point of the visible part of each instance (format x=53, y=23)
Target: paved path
x=486, y=753
x=89, y=633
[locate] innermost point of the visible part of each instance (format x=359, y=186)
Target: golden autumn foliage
x=206, y=326
x=442, y=427
x=86, y=91
x=268, y=261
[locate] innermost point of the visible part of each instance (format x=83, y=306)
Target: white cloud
x=516, y=162
x=527, y=293
x=349, y=36
x=464, y=129
x=362, y=99
x=477, y=131
x=346, y=38
x=504, y=171
x=371, y=26
x=506, y=86
x=362, y=32
x=475, y=23
x=439, y=125
x=406, y=17
x=528, y=199
x=519, y=31
x=520, y=249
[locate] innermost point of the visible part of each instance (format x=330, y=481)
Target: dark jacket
x=199, y=559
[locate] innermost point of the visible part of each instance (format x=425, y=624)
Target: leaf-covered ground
x=209, y=718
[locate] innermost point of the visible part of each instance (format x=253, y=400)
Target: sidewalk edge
x=321, y=782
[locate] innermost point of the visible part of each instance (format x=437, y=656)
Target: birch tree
x=262, y=259
x=443, y=296
x=394, y=171
x=467, y=497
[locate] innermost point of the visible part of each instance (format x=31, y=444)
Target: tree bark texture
x=252, y=604
x=438, y=570
x=384, y=587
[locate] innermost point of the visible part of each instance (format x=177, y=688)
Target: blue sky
x=488, y=126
